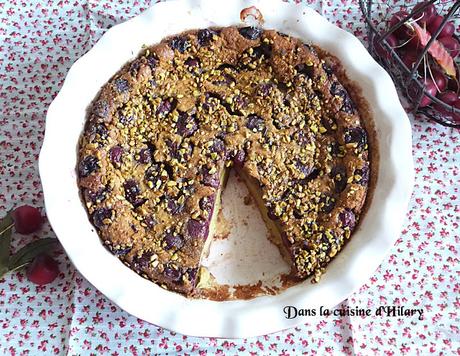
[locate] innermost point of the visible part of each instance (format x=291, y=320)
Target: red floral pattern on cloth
x=39, y=42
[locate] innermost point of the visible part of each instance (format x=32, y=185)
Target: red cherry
x=27, y=219
x=403, y=32
x=413, y=44
x=425, y=100
x=451, y=45
x=434, y=24
x=449, y=97
x=440, y=79
x=392, y=41
x=452, y=84
x=409, y=58
x=429, y=88
x=381, y=50
x=427, y=14
x=43, y=269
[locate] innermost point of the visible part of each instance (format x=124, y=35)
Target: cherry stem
x=411, y=21
x=404, y=43
x=19, y=267
x=6, y=229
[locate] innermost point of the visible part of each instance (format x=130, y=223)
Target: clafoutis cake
x=163, y=133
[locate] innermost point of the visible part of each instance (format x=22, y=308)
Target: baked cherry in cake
x=165, y=130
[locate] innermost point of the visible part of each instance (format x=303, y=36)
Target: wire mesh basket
x=411, y=42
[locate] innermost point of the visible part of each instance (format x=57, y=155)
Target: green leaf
x=26, y=254
x=5, y=242
x=6, y=223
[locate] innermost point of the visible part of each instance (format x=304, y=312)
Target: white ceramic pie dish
x=142, y=298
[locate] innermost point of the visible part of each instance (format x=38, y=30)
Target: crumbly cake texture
x=168, y=124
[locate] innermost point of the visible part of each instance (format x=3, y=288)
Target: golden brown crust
x=163, y=129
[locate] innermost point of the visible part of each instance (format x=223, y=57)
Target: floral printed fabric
x=39, y=42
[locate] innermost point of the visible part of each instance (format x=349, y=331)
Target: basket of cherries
x=418, y=45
